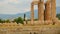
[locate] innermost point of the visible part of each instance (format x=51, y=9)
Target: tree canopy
x=19, y=20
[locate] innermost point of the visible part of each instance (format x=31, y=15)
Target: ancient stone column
x=41, y=11
x=32, y=13
x=53, y=8
x=48, y=10
x=48, y=18
x=53, y=11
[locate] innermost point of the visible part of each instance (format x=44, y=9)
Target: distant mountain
x=58, y=10
x=7, y=16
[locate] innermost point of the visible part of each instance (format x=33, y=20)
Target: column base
x=32, y=22
x=56, y=21
x=48, y=22
x=24, y=22
x=41, y=22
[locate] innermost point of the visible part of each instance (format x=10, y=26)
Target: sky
x=17, y=6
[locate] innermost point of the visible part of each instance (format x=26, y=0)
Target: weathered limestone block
x=47, y=22
x=45, y=29
x=35, y=2
x=1, y=24
x=24, y=22
x=3, y=31
x=56, y=21
x=20, y=24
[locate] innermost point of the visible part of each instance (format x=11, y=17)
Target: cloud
x=8, y=9
x=58, y=3
x=16, y=6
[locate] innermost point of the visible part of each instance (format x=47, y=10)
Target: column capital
x=32, y=3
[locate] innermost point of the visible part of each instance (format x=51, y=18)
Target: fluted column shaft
x=48, y=10
x=32, y=13
x=41, y=10
x=53, y=8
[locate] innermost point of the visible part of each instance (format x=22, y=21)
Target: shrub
x=19, y=20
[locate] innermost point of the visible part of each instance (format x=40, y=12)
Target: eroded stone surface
x=31, y=29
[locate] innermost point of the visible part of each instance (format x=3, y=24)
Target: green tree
x=7, y=20
x=58, y=15
x=0, y=21
x=19, y=20
x=3, y=21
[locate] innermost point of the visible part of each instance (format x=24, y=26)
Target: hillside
x=8, y=16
